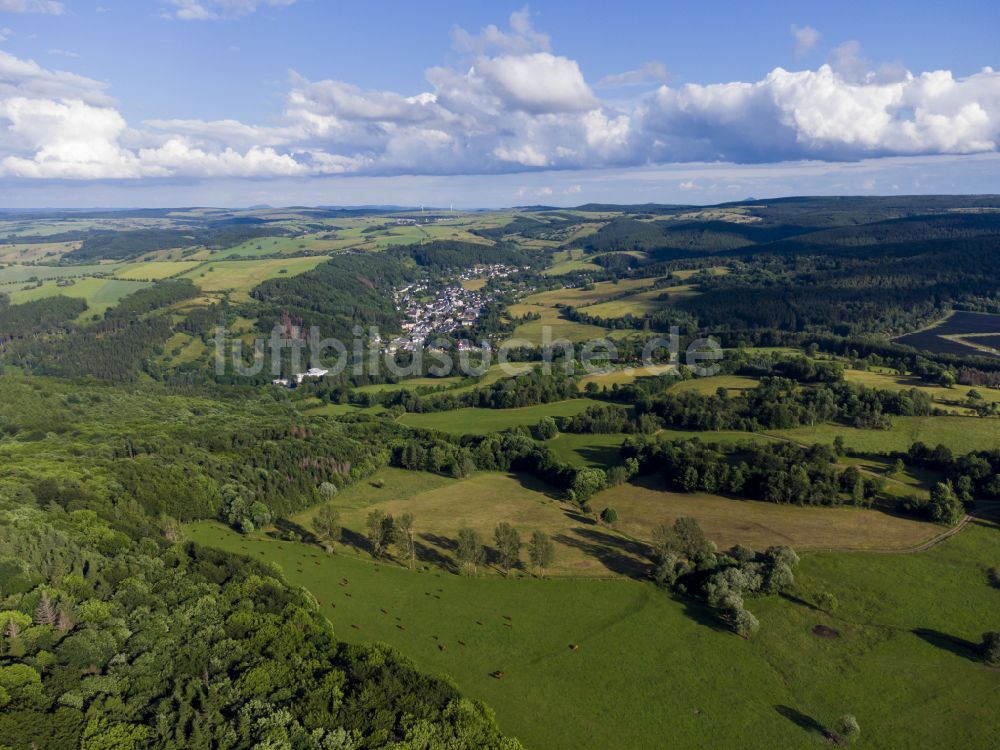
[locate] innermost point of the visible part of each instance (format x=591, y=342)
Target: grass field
x=31, y=252
x=643, y=505
x=551, y=322
x=709, y=385
x=100, y=294
x=961, y=434
x=652, y=671
x=600, y=451
x=441, y=507
x=955, y=395
x=155, y=270
x=641, y=303
x=19, y=274
x=240, y=276
x=625, y=375
x=566, y=261
x=483, y=421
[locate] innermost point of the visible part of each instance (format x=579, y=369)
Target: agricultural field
x=641, y=303
x=100, y=294
x=625, y=375
x=944, y=337
x=960, y=434
x=473, y=421
x=33, y=252
x=155, y=270
x=240, y=276
x=567, y=261
x=726, y=521
x=898, y=657
x=597, y=450
x=956, y=395
x=479, y=502
x=551, y=326
x=707, y=386
x=19, y=274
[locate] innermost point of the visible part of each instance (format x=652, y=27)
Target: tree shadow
x=798, y=600
x=285, y=526
x=801, y=720
x=954, y=644
x=355, y=540
x=604, y=456
x=616, y=554
x=432, y=555
x=704, y=615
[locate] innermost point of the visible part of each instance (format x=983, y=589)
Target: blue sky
x=308, y=101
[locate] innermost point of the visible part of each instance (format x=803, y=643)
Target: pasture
x=625, y=375
x=647, y=503
x=707, y=386
x=155, y=270
x=955, y=396
x=960, y=434
x=641, y=303
x=240, y=276
x=900, y=662
x=100, y=294
x=19, y=274
x=474, y=421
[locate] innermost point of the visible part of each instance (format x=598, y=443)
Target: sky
x=242, y=102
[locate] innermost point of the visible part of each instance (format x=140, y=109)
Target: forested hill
x=117, y=635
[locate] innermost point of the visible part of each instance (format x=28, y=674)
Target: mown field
x=474, y=421
x=19, y=274
x=961, y=434
x=240, y=276
x=155, y=270
x=100, y=294
x=668, y=675
x=641, y=303
x=726, y=521
x=625, y=375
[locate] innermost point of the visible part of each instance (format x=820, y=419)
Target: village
x=444, y=310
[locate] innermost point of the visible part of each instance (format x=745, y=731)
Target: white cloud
x=806, y=38
x=27, y=78
x=510, y=105
x=520, y=39
x=210, y=10
x=537, y=82
x=63, y=52
x=47, y=7
x=650, y=72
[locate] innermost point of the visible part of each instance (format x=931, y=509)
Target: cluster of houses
x=444, y=310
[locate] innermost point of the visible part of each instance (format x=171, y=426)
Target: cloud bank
x=512, y=104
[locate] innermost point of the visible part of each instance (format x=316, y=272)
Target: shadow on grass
x=801, y=720
x=355, y=540
x=954, y=644
x=704, y=615
x=285, y=527
x=619, y=555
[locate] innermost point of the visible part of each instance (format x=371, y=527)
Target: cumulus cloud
x=510, y=104
x=47, y=7
x=210, y=10
x=806, y=38
x=650, y=72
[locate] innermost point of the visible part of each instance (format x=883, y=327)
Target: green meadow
x=649, y=670
x=473, y=421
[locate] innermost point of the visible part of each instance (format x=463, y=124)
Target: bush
x=609, y=516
